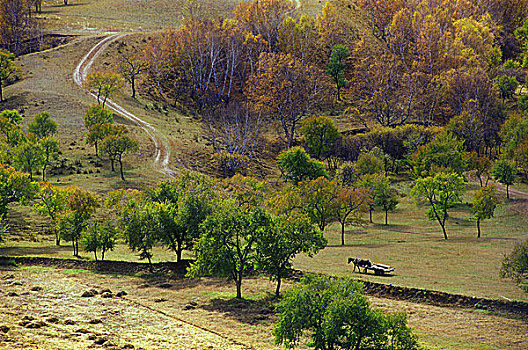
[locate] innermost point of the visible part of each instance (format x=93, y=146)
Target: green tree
x=104, y=85
x=512, y=132
x=43, y=126
x=7, y=69
x=515, y=265
x=29, y=156
x=80, y=208
x=441, y=191
x=14, y=187
x=504, y=171
x=336, y=67
x=444, y=153
x=369, y=182
x=10, y=121
x=296, y=165
x=337, y=315
x=138, y=225
x=99, y=237
x=348, y=204
x=52, y=202
x=384, y=196
x=317, y=200
x=289, y=236
x=115, y=145
x=506, y=86
x=182, y=205
x=346, y=174
x=368, y=163
x=97, y=121
x=320, y=134
x=484, y=205
x=50, y=146
x=226, y=247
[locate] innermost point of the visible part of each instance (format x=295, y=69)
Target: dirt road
x=162, y=154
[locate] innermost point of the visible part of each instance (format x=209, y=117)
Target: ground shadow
x=244, y=310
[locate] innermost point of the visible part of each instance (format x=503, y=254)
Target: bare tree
x=235, y=134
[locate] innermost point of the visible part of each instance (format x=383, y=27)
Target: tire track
x=162, y=155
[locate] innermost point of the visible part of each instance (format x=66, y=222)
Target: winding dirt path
x=162, y=156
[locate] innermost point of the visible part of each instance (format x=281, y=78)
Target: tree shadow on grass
x=252, y=312
x=34, y=251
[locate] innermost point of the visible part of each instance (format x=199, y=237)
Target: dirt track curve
x=162, y=157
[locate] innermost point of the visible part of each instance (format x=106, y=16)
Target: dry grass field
x=44, y=308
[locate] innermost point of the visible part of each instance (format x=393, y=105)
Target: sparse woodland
x=432, y=94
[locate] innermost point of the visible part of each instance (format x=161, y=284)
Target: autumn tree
x=296, y=165
x=226, y=247
x=336, y=67
x=52, y=202
x=264, y=18
x=320, y=134
x=7, y=69
x=504, y=171
x=80, y=208
x=235, y=132
x=484, y=204
x=285, y=89
x=288, y=237
x=441, y=191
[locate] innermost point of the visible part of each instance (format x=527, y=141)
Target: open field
x=159, y=312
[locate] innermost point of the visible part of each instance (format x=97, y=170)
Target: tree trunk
x=444, y=230
x=44, y=172
x=386, y=217
x=508, y=191
x=370, y=214
x=239, y=284
x=102, y=254
x=178, y=253
x=112, y=162
x=343, y=233
x=73, y=246
x=133, y=83
x=150, y=264
x=95, y=254
x=478, y=228
x=76, y=248
x=121, y=169
x=279, y=280
x=1, y=92
x=57, y=238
